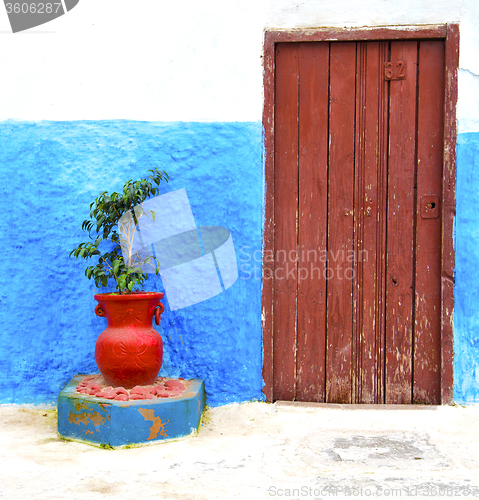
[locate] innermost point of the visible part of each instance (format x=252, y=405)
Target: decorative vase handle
x=99, y=311
x=158, y=311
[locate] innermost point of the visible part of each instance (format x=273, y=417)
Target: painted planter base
x=103, y=422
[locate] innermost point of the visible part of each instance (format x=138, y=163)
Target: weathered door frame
x=450, y=34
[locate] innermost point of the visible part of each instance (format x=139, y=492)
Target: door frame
x=450, y=34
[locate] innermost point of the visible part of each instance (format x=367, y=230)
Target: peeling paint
x=86, y=418
x=158, y=425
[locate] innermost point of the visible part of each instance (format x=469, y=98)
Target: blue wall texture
x=466, y=293
x=51, y=171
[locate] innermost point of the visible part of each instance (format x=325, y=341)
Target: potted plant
x=129, y=351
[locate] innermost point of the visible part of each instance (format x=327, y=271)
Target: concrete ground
x=254, y=451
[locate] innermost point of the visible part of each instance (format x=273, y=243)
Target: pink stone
x=114, y=392
x=122, y=397
x=121, y=390
x=174, y=385
x=95, y=387
x=138, y=389
x=111, y=395
x=104, y=392
x=138, y=396
x=162, y=394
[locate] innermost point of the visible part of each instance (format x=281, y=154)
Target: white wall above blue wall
x=188, y=60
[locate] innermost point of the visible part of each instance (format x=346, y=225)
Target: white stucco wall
x=189, y=60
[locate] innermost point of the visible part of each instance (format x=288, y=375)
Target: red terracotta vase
x=129, y=351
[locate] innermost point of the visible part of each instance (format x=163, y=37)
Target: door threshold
x=340, y=406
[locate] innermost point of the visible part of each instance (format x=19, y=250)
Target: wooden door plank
x=285, y=216
x=381, y=218
x=268, y=230
x=448, y=213
x=427, y=331
x=313, y=196
x=340, y=221
x=369, y=223
x=400, y=226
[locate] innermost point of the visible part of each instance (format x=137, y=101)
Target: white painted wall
x=188, y=60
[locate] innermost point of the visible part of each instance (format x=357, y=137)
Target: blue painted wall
x=466, y=311
x=51, y=171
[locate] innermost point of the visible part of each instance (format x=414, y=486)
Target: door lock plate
x=430, y=206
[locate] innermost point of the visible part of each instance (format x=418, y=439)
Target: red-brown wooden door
x=357, y=238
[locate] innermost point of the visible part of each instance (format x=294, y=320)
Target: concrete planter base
x=107, y=423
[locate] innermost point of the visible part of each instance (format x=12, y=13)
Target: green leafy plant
x=114, y=224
